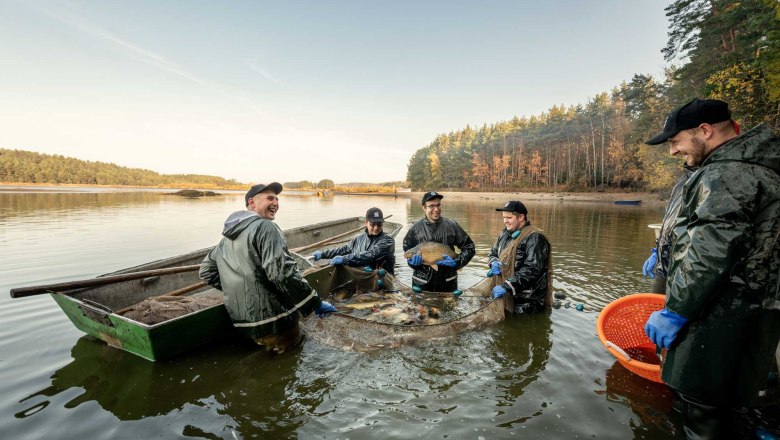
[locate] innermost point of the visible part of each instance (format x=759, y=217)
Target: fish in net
x=372, y=318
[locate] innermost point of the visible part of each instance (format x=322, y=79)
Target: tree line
x=28, y=167
x=718, y=49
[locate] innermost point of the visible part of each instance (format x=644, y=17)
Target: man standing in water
x=264, y=292
x=721, y=321
x=436, y=228
x=374, y=248
x=520, y=261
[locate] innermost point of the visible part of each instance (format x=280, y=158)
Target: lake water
x=541, y=376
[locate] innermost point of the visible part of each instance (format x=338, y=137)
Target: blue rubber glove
x=498, y=292
x=416, y=260
x=325, y=309
x=662, y=327
x=446, y=261
x=317, y=256
x=338, y=260
x=648, y=269
x=495, y=268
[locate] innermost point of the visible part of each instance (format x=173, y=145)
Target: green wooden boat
x=93, y=310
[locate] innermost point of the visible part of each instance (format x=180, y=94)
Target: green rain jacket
x=724, y=273
x=264, y=292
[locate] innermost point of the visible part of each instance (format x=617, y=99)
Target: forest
x=716, y=49
x=28, y=167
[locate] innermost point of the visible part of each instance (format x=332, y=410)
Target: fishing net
x=349, y=330
x=163, y=308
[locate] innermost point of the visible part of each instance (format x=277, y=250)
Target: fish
x=431, y=252
x=367, y=305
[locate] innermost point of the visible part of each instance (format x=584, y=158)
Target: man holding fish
x=429, y=248
x=374, y=248
x=520, y=261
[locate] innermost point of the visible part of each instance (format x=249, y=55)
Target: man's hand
x=415, y=261
x=498, y=292
x=338, y=260
x=446, y=261
x=663, y=326
x=648, y=269
x=325, y=309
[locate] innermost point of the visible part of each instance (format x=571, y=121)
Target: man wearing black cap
x=721, y=321
x=264, y=292
x=374, y=248
x=436, y=228
x=520, y=262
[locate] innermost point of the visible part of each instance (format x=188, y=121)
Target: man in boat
x=374, y=248
x=434, y=227
x=520, y=262
x=264, y=292
x=721, y=321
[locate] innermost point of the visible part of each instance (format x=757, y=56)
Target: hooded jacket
x=724, y=272
x=444, y=231
x=664, y=243
x=264, y=292
x=377, y=251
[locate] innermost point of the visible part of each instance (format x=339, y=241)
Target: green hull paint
x=152, y=342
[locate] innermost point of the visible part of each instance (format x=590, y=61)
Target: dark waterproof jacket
x=528, y=282
x=377, y=251
x=724, y=273
x=664, y=243
x=444, y=231
x=264, y=291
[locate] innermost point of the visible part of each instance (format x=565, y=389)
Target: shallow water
x=540, y=376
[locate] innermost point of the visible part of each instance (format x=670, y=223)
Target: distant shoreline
x=646, y=198
x=502, y=197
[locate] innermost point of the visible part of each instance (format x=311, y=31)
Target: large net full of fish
x=372, y=317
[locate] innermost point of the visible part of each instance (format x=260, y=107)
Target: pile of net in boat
x=374, y=318
x=163, y=308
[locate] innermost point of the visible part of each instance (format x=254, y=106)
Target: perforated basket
x=621, y=328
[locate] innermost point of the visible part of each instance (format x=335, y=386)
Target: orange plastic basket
x=621, y=328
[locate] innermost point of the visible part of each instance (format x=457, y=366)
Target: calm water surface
x=529, y=376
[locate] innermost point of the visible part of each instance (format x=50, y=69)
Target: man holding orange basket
x=721, y=321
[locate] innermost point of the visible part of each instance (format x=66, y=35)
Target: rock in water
x=431, y=252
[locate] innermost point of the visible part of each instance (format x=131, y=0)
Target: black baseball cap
x=374, y=215
x=514, y=206
x=253, y=191
x=691, y=115
x=431, y=195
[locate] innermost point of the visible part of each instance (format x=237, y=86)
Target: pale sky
x=292, y=90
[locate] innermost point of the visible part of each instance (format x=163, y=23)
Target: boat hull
x=94, y=310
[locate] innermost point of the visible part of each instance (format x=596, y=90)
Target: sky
x=262, y=91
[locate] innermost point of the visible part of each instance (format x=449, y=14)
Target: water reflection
x=522, y=350
x=21, y=204
x=651, y=402
x=251, y=389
